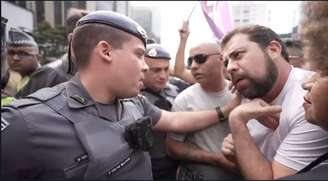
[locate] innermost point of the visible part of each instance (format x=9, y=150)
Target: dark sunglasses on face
x=200, y=58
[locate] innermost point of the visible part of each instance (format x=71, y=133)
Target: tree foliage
x=52, y=41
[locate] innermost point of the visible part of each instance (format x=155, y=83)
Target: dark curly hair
x=314, y=33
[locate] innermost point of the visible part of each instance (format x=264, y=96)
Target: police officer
x=60, y=70
x=88, y=127
x=23, y=58
x=160, y=93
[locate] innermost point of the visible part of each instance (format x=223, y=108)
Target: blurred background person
x=23, y=58
x=60, y=70
x=295, y=51
x=63, y=65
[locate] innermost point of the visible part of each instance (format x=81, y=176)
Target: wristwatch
x=221, y=116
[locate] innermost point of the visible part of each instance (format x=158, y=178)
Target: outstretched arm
x=182, y=122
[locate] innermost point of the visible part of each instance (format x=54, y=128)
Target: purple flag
x=218, y=16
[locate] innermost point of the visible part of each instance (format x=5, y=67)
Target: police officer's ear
x=69, y=37
x=105, y=50
x=274, y=49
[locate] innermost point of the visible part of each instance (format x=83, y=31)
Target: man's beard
x=260, y=87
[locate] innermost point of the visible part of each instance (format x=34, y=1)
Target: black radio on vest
x=139, y=134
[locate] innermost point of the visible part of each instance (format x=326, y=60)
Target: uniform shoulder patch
x=46, y=93
x=4, y=124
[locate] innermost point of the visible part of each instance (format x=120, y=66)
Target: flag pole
x=192, y=10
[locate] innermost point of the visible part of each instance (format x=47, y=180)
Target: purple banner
x=218, y=17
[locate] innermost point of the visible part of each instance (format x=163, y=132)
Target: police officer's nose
x=144, y=66
x=16, y=57
x=163, y=74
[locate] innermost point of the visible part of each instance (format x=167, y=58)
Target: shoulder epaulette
x=46, y=93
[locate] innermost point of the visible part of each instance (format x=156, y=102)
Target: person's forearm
x=180, y=70
x=189, y=152
x=251, y=162
x=182, y=122
x=179, y=66
x=192, y=153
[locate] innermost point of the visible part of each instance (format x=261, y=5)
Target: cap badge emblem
x=152, y=52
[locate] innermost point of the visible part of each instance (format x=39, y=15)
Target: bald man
x=199, y=151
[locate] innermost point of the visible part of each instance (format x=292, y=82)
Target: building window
x=67, y=6
x=39, y=8
x=21, y=4
x=82, y=5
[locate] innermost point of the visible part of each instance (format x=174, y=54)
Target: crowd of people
x=249, y=106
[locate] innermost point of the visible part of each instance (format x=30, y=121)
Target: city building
x=55, y=12
x=250, y=13
x=14, y=13
x=149, y=18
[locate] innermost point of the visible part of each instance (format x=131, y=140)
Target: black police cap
x=115, y=20
x=156, y=51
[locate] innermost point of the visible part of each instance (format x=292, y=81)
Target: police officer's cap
x=156, y=51
x=115, y=20
x=17, y=37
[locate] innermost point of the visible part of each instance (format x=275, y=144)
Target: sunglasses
x=200, y=58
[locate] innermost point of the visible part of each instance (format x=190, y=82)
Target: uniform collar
x=77, y=95
x=111, y=112
x=168, y=90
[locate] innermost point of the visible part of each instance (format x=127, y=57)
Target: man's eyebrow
x=233, y=52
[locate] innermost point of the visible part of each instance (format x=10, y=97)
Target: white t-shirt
x=295, y=143
x=194, y=98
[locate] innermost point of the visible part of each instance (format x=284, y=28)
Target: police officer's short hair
x=109, y=26
x=86, y=37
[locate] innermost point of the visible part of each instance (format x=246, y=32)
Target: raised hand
x=184, y=30
x=266, y=114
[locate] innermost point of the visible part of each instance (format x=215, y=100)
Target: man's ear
x=105, y=50
x=274, y=49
